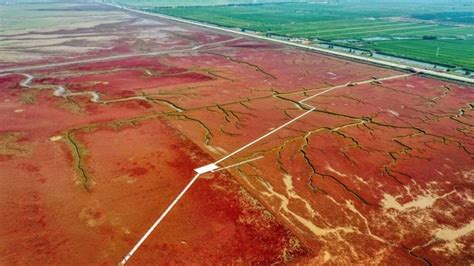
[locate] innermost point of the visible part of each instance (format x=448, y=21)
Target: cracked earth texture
x=93, y=151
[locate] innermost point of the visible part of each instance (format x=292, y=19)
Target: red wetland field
x=373, y=165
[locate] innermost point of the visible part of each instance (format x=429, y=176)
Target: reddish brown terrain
x=375, y=166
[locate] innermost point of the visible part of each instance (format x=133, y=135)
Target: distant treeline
x=458, y=17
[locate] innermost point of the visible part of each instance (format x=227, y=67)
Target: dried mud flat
x=96, y=142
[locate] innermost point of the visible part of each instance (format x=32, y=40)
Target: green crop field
x=402, y=29
x=454, y=52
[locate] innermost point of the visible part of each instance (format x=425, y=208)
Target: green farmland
x=405, y=29
x=454, y=52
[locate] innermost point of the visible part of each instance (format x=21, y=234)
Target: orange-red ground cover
x=379, y=172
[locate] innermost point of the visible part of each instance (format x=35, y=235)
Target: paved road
x=109, y=58
x=312, y=48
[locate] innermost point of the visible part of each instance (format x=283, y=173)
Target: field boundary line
x=378, y=62
x=382, y=30
x=384, y=26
